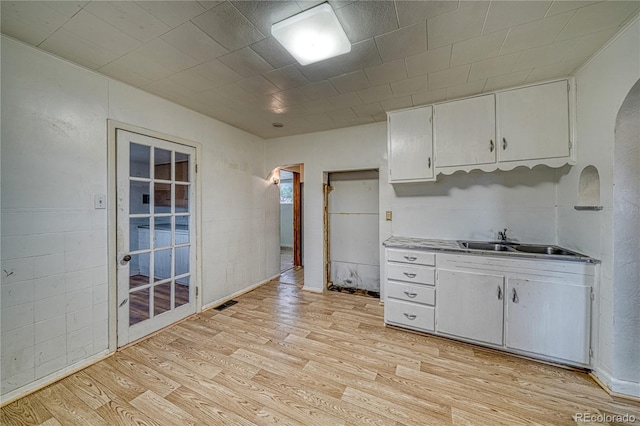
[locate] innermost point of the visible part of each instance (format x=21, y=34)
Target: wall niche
x=589, y=189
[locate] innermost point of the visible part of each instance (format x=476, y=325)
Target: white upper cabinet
x=527, y=126
x=465, y=132
x=533, y=122
x=410, y=145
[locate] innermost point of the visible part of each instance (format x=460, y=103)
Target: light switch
x=100, y=201
x=389, y=215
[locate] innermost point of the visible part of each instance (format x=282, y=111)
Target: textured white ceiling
x=218, y=58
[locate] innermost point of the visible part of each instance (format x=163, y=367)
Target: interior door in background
x=155, y=234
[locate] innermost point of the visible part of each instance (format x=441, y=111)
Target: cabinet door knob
x=411, y=295
x=491, y=145
x=410, y=258
x=504, y=143
x=499, y=293
x=514, y=297
x=410, y=274
x=410, y=316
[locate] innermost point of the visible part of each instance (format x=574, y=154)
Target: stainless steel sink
x=532, y=249
x=550, y=250
x=476, y=245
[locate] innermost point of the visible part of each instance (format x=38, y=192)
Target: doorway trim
x=112, y=127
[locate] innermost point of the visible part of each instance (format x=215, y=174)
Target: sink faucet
x=502, y=235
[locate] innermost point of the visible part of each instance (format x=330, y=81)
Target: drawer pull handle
x=410, y=274
x=410, y=316
x=499, y=293
x=514, y=297
x=411, y=258
x=411, y=295
x=491, y=146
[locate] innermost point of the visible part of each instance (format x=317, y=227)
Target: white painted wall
x=477, y=205
x=602, y=86
x=54, y=295
x=472, y=205
x=626, y=239
x=354, y=148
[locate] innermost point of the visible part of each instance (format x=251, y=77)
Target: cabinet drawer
x=411, y=293
x=411, y=256
x=410, y=315
x=410, y=273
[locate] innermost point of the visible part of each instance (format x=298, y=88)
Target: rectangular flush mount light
x=312, y=35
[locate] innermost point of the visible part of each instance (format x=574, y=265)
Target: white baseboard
x=617, y=386
x=237, y=293
x=312, y=290
x=52, y=378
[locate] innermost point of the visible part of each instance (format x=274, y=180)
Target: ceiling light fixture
x=312, y=35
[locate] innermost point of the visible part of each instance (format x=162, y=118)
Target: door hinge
x=593, y=295
x=590, y=352
x=197, y=291
x=570, y=144
x=568, y=86
x=196, y=168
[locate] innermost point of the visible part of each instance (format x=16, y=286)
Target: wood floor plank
x=153, y=380
x=161, y=410
x=284, y=403
x=87, y=389
x=284, y=356
x=202, y=408
x=23, y=412
x=332, y=405
x=66, y=407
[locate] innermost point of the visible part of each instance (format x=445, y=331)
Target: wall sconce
x=275, y=180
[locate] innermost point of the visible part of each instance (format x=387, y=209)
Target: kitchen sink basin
x=551, y=250
x=475, y=245
x=532, y=249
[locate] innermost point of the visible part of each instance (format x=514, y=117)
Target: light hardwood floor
x=283, y=355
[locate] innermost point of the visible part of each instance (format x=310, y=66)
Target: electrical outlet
x=100, y=201
x=389, y=215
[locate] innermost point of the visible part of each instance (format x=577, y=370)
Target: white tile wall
x=54, y=293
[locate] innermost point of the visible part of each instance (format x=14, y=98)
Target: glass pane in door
x=162, y=164
x=162, y=298
x=182, y=291
x=138, y=306
x=139, y=161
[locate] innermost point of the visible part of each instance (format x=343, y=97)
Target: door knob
x=125, y=259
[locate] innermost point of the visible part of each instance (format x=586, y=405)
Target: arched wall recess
x=589, y=189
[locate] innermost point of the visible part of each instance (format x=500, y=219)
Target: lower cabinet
x=534, y=307
x=548, y=318
x=470, y=305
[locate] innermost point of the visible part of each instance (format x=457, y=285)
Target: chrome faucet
x=502, y=235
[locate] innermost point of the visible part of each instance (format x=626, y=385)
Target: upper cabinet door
x=465, y=132
x=411, y=145
x=533, y=122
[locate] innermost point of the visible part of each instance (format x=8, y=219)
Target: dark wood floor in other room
x=284, y=355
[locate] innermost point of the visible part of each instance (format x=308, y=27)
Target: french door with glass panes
x=155, y=234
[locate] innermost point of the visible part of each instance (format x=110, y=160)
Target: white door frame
x=112, y=127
